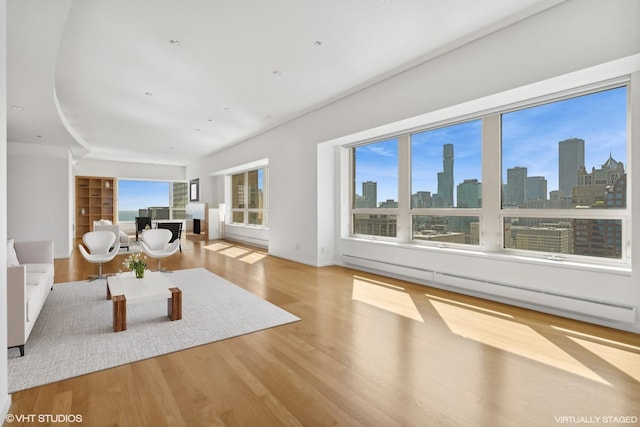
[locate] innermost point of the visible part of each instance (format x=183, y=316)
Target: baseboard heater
x=409, y=272
x=246, y=239
x=479, y=287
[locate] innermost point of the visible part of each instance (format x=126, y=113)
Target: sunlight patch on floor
x=253, y=257
x=234, y=252
x=626, y=361
x=217, y=246
x=510, y=336
x=386, y=297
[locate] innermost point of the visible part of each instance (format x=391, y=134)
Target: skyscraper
x=570, y=160
x=470, y=194
x=422, y=199
x=516, y=186
x=536, y=188
x=370, y=194
x=445, y=178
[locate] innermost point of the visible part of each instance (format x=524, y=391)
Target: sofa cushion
x=36, y=279
x=39, y=268
x=12, y=257
x=36, y=292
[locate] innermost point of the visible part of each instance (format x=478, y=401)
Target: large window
x=558, y=180
x=248, y=197
x=563, y=164
x=375, y=188
x=157, y=199
x=446, y=176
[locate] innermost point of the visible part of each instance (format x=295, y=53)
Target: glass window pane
x=238, y=217
x=375, y=225
x=449, y=229
x=255, y=218
x=376, y=175
x=237, y=191
x=566, y=154
x=255, y=180
x=152, y=197
x=446, y=167
x=180, y=196
x=589, y=237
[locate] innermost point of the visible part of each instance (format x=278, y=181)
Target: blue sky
x=134, y=195
x=530, y=139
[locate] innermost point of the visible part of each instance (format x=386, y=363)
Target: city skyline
x=530, y=139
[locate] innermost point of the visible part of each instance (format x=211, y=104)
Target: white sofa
x=30, y=273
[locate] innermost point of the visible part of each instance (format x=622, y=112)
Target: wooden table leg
x=119, y=313
x=174, y=305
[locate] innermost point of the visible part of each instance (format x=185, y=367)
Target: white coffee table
x=125, y=289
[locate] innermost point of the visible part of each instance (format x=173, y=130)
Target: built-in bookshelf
x=96, y=198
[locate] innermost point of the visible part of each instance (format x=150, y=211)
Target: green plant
x=136, y=263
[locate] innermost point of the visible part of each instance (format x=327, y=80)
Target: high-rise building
x=421, y=199
x=390, y=203
x=470, y=194
x=516, y=186
x=545, y=238
x=375, y=225
x=370, y=194
x=444, y=198
x=593, y=189
x=570, y=160
x=536, y=188
x=602, y=188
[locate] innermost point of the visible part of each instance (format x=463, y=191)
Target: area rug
x=74, y=332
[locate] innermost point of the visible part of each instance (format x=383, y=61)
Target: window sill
x=618, y=269
x=249, y=226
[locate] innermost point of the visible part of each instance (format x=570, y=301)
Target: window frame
x=353, y=210
x=246, y=210
x=170, y=197
x=621, y=214
x=492, y=214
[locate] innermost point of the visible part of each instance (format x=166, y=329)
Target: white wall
x=39, y=205
x=128, y=170
x=572, y=36
x=5, y=398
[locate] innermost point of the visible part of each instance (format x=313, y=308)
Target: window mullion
x=404, y=189
x=490, y=224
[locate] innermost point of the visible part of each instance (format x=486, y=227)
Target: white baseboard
x=557, y=303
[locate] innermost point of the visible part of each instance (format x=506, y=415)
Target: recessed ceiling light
x=148, y=93
x=38, y=136
x=198, y=129
x=17, y=107
x=318, y=43
x=174, y=42
x=277, y=72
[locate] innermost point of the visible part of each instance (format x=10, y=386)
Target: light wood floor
x=369, y=351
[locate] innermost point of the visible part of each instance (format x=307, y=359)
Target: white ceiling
x=101, y=76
